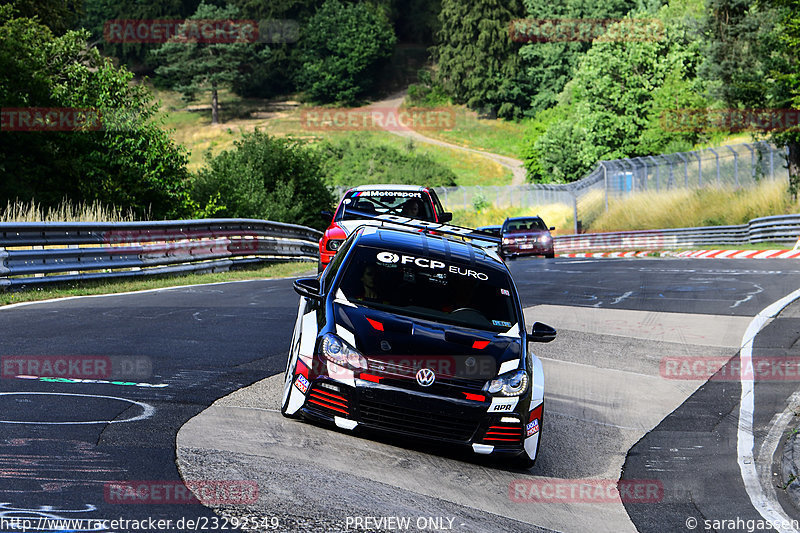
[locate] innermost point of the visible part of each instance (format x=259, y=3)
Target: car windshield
x=525, y=224
x=431, y=288
x=413, y=204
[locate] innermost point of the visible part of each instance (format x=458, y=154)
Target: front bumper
x=488, y=426
x=527, y=249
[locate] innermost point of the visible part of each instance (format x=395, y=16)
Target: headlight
x=544, y=238
x=340, y=353
x=507, y=240
x=513, y=383
x=333, y=244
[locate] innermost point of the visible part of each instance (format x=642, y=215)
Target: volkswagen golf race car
x=361, y=203
x=420, y=335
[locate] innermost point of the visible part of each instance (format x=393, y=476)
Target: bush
x=341, y=49
x=357, y=160
x=265, y=177
x=129, y=162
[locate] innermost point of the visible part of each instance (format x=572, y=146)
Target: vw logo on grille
x=425, y=377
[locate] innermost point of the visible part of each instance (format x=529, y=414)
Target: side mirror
x=308, y=287
x=552, y=228
x=542, y=333
x=446, y=217
x=327, y=215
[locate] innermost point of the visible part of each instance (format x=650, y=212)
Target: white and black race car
x=415, y=333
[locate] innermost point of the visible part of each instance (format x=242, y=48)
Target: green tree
x=478, y=63
x=787, y=75
x=129, y=162
x=341, y=49
x=265, y=177
x=354, y=160
x=191, y=65
x=58, y=15
x=612, y=108
x=548, y=65
x=98, y=14
x=753, y=50
x=276, y=75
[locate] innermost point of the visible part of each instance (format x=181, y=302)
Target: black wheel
x=550, y=255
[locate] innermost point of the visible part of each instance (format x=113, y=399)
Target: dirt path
x=395, y=100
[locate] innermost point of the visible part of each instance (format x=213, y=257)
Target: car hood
x=387, y=336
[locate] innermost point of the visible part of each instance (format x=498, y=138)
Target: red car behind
x=406, y=200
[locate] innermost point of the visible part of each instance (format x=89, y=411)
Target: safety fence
x=731, y=166
x=783, y=229
x=36, y=253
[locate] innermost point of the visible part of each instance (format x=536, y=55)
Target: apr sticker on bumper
x=502, y=405
x=302, y=384
x=532, y=428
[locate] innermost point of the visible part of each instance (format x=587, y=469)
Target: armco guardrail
x=775, y=229
x=35, y=253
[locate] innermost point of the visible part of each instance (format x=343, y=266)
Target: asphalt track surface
x=206, y=342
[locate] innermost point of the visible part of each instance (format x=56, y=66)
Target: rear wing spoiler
x=426, y=226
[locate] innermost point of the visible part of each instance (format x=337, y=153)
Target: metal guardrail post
x=716, y=155
x=752, y=160
x=685, y=169
x=735, y=164
x=771, y=163
x=699, y=168
x=646, y=176
x=605, y=182
x=575, y=210
x=658, y=172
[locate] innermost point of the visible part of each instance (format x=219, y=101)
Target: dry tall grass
x=557, y=215
x=710, y=206
x=66, y=211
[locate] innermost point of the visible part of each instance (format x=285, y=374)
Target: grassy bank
x=688, y=208
x=190, y=125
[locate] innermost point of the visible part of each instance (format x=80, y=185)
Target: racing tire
x=550, y=256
